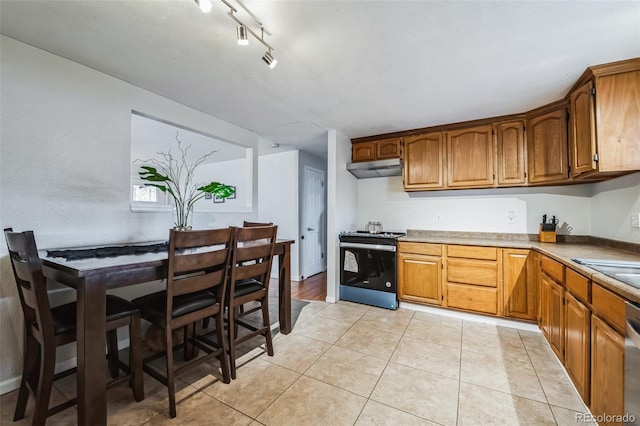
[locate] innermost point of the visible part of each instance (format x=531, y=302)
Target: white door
x=313, y=222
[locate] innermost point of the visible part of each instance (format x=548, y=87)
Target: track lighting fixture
x=204, y=5
x=242, y=35
x=243, y=30
x=269, y=59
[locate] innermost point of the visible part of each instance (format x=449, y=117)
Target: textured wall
x=65, y=167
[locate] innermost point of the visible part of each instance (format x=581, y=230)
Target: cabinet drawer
x=552, y=268
x=608, y=306
x=472, y=298
x=473, y=252
x=420, y=248
x=577, y=284
x=472, y=271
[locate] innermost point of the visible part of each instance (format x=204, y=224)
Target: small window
x=145, y=194
x=147, y=197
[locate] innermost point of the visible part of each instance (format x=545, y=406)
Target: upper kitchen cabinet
x=423, y=157
x=363, y=151
x=547, y=144
x=470, y=157
x=375, y=150
x=388, y=148
x=511, y=167
x=604, y=121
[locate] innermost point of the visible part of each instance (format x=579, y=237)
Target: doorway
x=313, y=224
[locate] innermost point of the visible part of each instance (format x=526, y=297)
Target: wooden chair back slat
x=195, y=283
x=192, y=239
x=247, y=224
x=250, y=271
x=200, y=261
x=246, y=253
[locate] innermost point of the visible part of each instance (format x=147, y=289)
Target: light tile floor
x=350, y=364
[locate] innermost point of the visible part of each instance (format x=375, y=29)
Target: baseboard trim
x=330, y=299
x=504, y=322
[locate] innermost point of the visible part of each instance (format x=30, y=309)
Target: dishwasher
x=632, y=366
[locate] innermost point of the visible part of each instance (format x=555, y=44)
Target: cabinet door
x=511, y=166
x=607, y=370
x=577, y=347
x=423, y=161
x=556, y=319
x=420, y=278
x=519, y=287
x=363, y=151
x=582, y=130
x=547, y=147
x=470, y=157
x=618, y=122
x=389, y=148
x=545, y=297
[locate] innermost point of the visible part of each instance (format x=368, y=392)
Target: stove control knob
x=388, y=284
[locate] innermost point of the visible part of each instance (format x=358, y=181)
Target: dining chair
x=196, y=283
x=245, y=224
x=47, y=328
x=249, y=281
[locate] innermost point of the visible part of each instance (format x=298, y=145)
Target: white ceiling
x=362, y=67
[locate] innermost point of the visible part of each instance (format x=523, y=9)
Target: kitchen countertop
x=561, y=251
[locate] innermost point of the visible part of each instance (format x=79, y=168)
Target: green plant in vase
x=174, y=176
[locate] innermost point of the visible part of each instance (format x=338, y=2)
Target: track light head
x=204, y=5
x=242, y=35
x=270, y=60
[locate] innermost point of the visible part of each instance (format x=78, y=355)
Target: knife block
x=546, y=236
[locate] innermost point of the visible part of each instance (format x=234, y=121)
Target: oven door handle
x=376, y=247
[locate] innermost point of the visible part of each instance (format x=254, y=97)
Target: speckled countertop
x=561, y=251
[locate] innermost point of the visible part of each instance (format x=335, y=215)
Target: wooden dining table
x=92, y=277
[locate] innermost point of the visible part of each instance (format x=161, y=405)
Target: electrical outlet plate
x=635, y=220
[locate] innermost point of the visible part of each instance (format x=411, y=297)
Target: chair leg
x=135, y=358
x=222, y=341
x=29, y=373
x=267, y=323
x=186, y=342
x=170, y=373
x=205, y=322
x=112, y=349
x=45, y=384
x=233, y=332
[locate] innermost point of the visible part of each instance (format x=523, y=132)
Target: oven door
x=368, y=266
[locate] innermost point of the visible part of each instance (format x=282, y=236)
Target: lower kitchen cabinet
x=473, y=278
x=577, y=344
x=607, y=370
x=518, y=284
x=556, y=319
x=420, y=273
x=552, y=304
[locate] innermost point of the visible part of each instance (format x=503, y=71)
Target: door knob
x=310, y=229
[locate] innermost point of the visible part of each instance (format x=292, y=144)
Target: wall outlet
x=511, y=216
x=635, y=220
x=438, y=218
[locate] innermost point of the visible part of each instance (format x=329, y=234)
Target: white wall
x=342, y=196
x=64, y=172
x=603, y=209
x=612, y=204
x=278, y=200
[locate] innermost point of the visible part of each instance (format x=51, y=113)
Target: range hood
x=379, y=168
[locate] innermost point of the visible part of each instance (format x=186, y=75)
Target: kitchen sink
x=623, y=270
